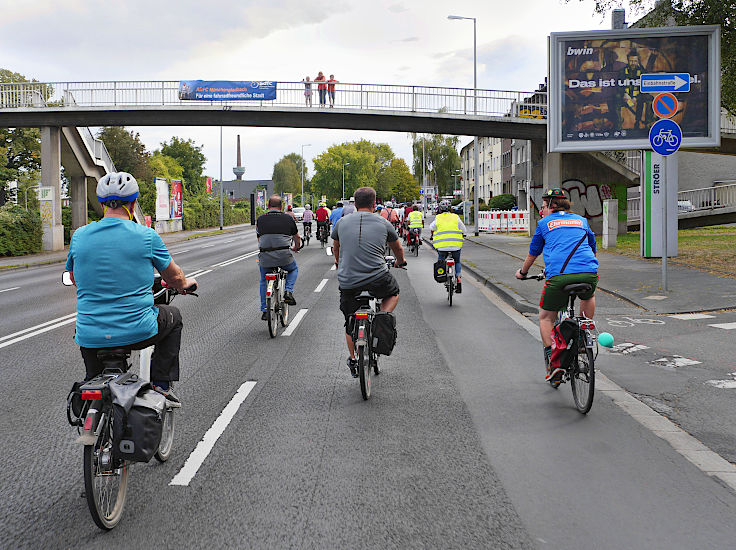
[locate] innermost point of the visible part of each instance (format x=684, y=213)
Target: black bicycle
x=582, y=344
x=277, y=310
x=322, y=234
x=414, y=241
x=307, y=232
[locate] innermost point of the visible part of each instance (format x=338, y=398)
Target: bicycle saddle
x=577, y=288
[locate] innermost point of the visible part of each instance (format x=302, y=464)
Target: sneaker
x=264, y=316
x=289, y=298
x=168, y=394
x=459, y=288
x=353, y=366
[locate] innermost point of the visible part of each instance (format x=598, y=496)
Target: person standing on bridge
x=307, y=92
x=322, y=89
x=331, y=89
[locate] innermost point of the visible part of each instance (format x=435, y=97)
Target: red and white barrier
x=503, y=220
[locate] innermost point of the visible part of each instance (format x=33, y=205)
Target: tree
x=441, y=160
x=361, y=172
x=693, y=12
x=398, y=178
x=161, y=166
x=191, y=159
x=286, y=177
x=127, y=151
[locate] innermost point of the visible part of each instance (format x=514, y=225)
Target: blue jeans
x=442, y=254
x=292, y=271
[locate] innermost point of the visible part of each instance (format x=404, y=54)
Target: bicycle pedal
x=173, y=404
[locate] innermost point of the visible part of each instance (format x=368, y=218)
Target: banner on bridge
x=227, y=90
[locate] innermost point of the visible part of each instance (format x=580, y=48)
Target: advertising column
x=177, y=205
x=655, y=193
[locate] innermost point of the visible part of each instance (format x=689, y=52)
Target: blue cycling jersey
x=113, y=261
x=556, y=236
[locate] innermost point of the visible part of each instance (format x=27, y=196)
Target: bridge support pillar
x=79, y=201
x=53, y=230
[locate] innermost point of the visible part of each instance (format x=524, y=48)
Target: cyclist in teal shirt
x=112, y=263
x=568, y=246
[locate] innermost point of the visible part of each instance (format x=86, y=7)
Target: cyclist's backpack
x=563, y=344
x=138, y=413
x=440, y=271
x=384, y=333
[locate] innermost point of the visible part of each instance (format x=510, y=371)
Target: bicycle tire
x=364, y=372
x=583, y=383
x=163, y=452
x=374, y=359
x=416, y=249
x=272, y=317
x=105, y=517
x=283, y=313
x=450, y=290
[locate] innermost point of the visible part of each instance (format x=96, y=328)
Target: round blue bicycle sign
x=665, y=137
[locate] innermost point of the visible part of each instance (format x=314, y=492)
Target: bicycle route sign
x=665, y=137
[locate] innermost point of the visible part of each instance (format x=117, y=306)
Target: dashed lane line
x=333, y=268
x=295, y=322
x=9, y=289
x=204, y=447
x=321, y=285
x=691, y=316
x=694, y=451
x=725, y=326
x=236, y=259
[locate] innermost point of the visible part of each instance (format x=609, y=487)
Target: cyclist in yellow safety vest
x=416, y=222
x=447, y=235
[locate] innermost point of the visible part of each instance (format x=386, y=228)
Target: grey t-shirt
x=275, y=230
x=362, y=240
x=348, y=209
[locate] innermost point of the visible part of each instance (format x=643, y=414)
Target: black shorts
x=383, y=287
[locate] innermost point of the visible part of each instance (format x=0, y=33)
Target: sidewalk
x=59, y=256
x=495, y=258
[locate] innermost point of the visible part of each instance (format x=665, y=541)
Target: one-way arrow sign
x=665, y=82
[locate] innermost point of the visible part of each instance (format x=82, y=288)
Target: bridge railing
x=693, y=200
x=389, y=97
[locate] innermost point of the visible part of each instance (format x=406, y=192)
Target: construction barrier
x=504, y=221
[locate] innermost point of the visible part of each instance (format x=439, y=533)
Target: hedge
x=20, y=231
x=201, y=212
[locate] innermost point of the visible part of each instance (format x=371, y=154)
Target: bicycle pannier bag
x=440, y=271
x=137, y=433
x=563, y=348
x=384, y=333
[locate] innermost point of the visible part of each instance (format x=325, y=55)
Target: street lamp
x=475, y=112
x=454, y=185
x=303, y=146
x=343, y=178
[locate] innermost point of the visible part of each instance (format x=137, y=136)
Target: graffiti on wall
x=587, y=198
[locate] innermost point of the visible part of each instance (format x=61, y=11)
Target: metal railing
x=629, y=159
x=380, y=97
x=693, y=200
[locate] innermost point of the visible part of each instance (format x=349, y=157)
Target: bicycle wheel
x=283, y=313
x=167, y=436
x=582, y=378
x=364, y=372
x=374, y=359
x=450, y=289
x=416, y=248
x=272, y=316
x=104, y=487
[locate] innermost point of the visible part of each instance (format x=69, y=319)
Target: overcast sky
x=371, y=41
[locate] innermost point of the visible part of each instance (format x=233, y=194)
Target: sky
x=379, y=41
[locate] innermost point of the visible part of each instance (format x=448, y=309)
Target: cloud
x=397, y=8
x=410, y=39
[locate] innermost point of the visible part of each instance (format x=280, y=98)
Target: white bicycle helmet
x=117, y=186
x=308, y=206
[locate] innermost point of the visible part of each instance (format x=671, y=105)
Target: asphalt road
x=462, y=444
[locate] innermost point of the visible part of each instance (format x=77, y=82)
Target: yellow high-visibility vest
x=448, y=234
x=415, y=219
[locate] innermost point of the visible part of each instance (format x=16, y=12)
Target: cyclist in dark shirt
x=276, y=231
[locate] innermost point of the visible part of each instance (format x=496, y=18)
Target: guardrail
x=693, y=200
x=427, y=99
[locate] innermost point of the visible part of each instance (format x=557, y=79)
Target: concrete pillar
x=79, y=201
x=53, y=230
x=610, y=223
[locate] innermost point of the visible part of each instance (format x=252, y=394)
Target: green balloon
x=605, y=339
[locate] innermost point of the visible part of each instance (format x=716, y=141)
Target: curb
x=509, y=296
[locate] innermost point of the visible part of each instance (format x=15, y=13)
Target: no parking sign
x=665, y=105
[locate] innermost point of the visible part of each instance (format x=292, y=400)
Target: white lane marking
x=321, y=285
x=38, y=326
x=194, y=273
x=207, y=246
x=655, y=297
x=682, y=442
x=205, y=272
x=8, y=289
x=229, y=241
x=691, y=316
x=295, y=322
x=723, y=384
x=46, y=328
x=725, y=326
x=628, y=347
x=181, y=251
x=236, y=259
x=674, y=361
x=333, y=268
x=203, y=448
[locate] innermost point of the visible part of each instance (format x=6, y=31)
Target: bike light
x=270, y=276
x=88, y=423
x=450, y=262
x=361, y=315
x=92, y=394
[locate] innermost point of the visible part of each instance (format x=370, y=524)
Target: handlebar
x=391, y=262
x=539, y=277
x=191, y=291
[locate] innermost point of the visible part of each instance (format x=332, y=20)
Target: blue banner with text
x=227, y=90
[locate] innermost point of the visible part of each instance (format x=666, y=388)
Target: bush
x=20, y=231
x=505, y=201
x=202, y=212
x=455, y=202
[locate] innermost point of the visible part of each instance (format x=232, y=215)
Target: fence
x=503, y=220
x=694, y=200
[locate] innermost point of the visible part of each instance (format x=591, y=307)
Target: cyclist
x=447, y=231
x=358, y=245
x=415, y=219
x=322, y=216
x=569, y=250
x=275, y=231
x=290, y=212
x=349, y=208
x=336, y=214
x=307, y=218
x=111, y=263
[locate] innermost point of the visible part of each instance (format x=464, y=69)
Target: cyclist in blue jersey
x=568, y=247
x=111, y=263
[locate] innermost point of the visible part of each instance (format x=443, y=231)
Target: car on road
x=685, y=206
x=298, y=213
x=458, y=209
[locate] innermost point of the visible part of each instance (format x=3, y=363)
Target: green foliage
x=505, y=201
x=286, y=177
x=201, y=212
x=441, y=160
x=455, y=202
x=398, y=178
x=191, y=159
x=20, y=231
x=127, y=151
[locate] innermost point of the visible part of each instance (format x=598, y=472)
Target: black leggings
x=165, y=358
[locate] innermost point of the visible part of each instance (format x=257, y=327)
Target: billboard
x=595, y=97
x=163, y=205
x=177, y=204
x=227, y=90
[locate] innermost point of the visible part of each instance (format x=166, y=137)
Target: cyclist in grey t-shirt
x=358, y=244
